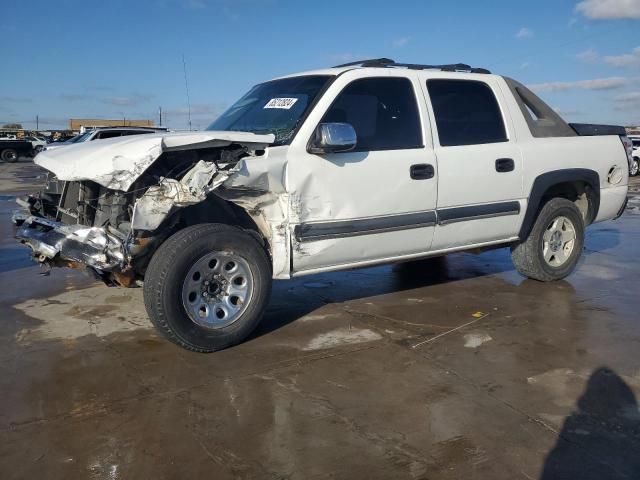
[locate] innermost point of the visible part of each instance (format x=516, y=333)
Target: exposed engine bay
x=112, y=231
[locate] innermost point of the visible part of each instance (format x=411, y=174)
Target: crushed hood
x=117, y=163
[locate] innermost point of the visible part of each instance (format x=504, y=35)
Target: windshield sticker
x=282, y=102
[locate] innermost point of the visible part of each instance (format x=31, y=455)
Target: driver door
x=377, y=201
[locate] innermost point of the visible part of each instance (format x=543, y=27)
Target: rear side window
x=467, y=112
x=383, y=112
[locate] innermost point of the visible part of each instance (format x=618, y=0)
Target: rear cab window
x=466, y=112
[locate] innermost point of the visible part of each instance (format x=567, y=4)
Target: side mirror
x=333, y=138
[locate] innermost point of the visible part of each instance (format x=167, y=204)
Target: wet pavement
x=443, y=369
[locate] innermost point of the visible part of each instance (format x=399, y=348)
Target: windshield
x=272, y=107
x=80, y=138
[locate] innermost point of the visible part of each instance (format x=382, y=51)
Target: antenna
x=186, y=86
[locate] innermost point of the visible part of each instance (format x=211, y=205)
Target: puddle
x=78, y=313
x=317, y=284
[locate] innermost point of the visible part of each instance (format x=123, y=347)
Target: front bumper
x=58, y=244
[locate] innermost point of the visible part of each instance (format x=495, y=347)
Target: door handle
x=505, y=165
x=422, y=171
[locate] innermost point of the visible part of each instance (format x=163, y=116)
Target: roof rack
x=387, y=62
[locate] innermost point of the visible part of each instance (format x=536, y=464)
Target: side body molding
x=547, y=180
x=348, y=228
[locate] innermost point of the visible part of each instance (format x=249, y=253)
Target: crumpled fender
x=157, y=202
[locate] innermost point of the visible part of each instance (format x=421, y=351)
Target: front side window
x=467, y=112
x=275, y=107
x=382, y=111
x=110, y=134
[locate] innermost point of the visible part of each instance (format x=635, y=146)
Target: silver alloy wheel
x=558, y=241
x=635, y=166
x=217, y=289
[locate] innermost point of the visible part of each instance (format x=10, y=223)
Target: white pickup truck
x=361, y=164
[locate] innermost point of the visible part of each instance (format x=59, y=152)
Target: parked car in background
x=37, y=143
x=102, y=133
x=365, y=163
x=11, y=150
x=635, y=161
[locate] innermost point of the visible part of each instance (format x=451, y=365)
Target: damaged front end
x=55, y=244
x=112, y=224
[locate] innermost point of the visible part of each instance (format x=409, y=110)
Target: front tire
x=207, y=287
x=554, y=245
x=635, y=167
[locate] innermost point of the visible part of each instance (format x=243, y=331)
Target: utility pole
x=160, y=116
x=37, y=123
x=186, y=86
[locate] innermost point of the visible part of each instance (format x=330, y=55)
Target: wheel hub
x=214, y=287
x=558, y=241
x=217, y=289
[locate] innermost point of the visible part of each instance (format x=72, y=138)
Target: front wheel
x=553, y=248
x=207, y=286
x=635, y=167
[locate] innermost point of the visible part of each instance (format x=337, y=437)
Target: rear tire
x=635, y=167
x=194, y=299
x=554, y=245
x=9, y=155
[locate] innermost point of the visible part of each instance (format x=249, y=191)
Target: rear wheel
x=9, y=155
x=553, y=248
x=207, y=287
x=635, y=166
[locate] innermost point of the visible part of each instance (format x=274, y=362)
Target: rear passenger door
x=479, y=164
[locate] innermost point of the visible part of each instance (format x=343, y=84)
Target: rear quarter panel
x=598, y=153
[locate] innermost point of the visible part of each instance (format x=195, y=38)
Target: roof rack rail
x=387, y=62
x=373, y=62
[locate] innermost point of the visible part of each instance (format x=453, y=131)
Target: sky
x=124, y=58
